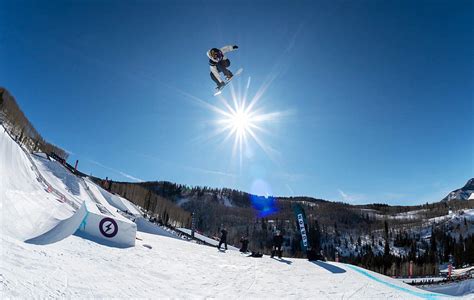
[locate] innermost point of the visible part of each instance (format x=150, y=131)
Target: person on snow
x=314, y=255
x=219, y=63
x=245, y=244
x=223, y=239
x=277, y=243
x=256, y=254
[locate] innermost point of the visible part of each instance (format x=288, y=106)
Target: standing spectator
x=223, y=239
x=245, y=244
x=277, y=242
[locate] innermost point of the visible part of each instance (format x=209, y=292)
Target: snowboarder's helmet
x=216, y=54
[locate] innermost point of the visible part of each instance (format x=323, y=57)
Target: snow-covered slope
x=204, y=238
x=60, y=178
x=157, y=266
x=455, y=288
x=26, y=208
x=161, y=267
x=42, y=202
x=119, y=202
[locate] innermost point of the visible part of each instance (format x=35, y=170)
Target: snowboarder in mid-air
x=219, y=63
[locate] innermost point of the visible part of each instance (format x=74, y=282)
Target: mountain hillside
x=359, y=234
x=156, y=266
x=464, y=193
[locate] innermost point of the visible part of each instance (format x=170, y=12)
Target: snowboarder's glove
x=221, y=84
x=235, y=47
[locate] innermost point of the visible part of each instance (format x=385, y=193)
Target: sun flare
x=240, y=122
x=243, y=121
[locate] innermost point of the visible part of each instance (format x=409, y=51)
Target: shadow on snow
x=331, y=268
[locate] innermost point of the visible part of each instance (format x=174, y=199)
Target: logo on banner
x=303, y=230
x=108, y=227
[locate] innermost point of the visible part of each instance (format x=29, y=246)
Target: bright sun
x=243, y=121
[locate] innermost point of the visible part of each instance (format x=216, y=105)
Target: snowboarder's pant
x=225, y=244
x=222, y=68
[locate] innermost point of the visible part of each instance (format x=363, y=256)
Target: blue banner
x=301, y=223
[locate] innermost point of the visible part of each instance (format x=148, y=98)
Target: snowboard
x=219, y=90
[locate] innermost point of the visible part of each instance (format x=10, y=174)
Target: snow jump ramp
x=90, y=222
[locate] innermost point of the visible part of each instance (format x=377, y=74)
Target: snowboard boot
x=220, y=85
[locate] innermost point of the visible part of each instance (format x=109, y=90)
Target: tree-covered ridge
x=21, y=129
x=380, y=237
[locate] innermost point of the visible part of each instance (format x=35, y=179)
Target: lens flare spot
x=264, y=205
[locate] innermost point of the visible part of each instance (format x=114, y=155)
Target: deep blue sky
x=375, y=98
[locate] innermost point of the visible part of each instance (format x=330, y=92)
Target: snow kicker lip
x=88, y=222
x=63, y=229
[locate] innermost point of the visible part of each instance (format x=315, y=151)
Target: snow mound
x=119, y=202
x=39, y=198
x=144, y=225
x=26, y=207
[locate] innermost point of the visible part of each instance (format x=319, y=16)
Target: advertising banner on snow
x=301, y=223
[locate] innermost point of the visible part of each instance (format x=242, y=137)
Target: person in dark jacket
x=277, y=243
x=223, y=239
x=245, y=244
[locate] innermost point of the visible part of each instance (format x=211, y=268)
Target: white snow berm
x=46, y=194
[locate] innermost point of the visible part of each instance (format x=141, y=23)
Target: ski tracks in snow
x=249, y=288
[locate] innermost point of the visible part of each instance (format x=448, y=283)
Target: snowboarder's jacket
x=213, y=62
x=224, y=235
